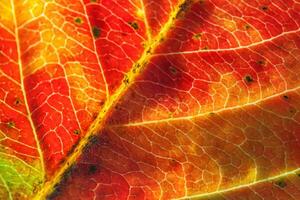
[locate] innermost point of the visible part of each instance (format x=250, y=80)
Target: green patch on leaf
x=134, y=25
x=78, y=20
x=96, y=32
x=21, y=179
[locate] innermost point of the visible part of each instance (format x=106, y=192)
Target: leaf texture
x=131, y=99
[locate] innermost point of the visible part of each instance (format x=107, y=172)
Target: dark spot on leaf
x=173, y=70
x=134, y=25
x=286, y=97
x=183, y=8
x=76, y=132
x=94, y=1
x=261, y=62
x=117, y=107
x=94, y=116
x=205, y=48
x=293, y=110
x=18, y=101
x=174, y=163
x=78, y=20
x=197, y=36
x=148, y=51
x=96, y=32
x=281, y=183
x=11, y=124
x=247, y=26
x=248, y=79
x=92, y=169
x=93, y=139
x=264, y=8
x=126, y=80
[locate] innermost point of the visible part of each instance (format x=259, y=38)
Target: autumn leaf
x=147, y=99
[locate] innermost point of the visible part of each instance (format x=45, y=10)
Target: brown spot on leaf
x=248, y=79
x=264, y=8
x=134, y=25
x=173, y=70
x=11, y=124
x=92, y=169
x=281, y=183
x=18, y=101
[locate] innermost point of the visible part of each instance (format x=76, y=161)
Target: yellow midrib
x=20, y=65
x=109, y=104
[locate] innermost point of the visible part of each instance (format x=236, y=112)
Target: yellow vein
x=148, y=30
x=95, y=50
x=6, y=187
x=241, y=186
x=207, y=113
x=101, y=118
x=23, y=89
x=229, y=49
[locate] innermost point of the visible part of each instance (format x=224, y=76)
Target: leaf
x=149, y=99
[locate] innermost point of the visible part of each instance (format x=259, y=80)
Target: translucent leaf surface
x=132, y=99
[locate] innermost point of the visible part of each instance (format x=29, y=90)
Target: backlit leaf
x=147, y=99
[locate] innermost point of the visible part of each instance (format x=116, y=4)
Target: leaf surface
x=149, y=99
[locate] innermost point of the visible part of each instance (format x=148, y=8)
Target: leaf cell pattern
x=144, y=99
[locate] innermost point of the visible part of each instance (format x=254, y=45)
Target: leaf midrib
x=99, y=122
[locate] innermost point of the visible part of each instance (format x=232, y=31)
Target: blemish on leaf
x=148, y=51
x=248, y=79
x=286, y=97
x=261, y=62
x=292, y=111
x=173, y=70
x=183, y=8
x=11, y=124
x=174, y=163
x=126, y=80
x=162, y=40
x=93, y=139
x=76, y=132
x=92, y=169
x=197, y=36
x=18, y=101
x=281, y=183
x=96, y=32
x=78, y=20
x=134, y=25
x=205, y=48
x=247, y=26
x=264, y=8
